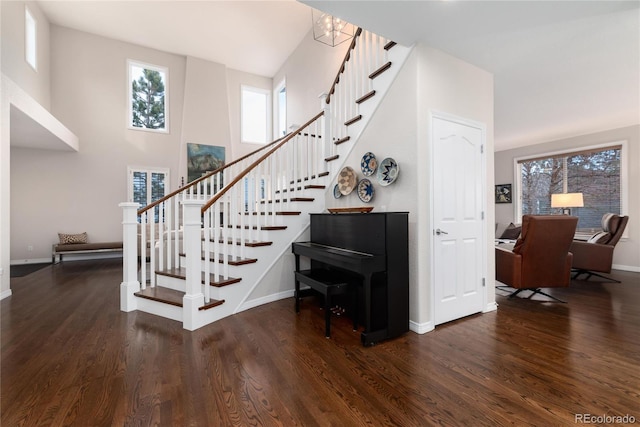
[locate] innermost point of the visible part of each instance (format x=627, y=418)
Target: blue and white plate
x=388, y=171
x=336, y=191
x=365, y=190
x=368, y=164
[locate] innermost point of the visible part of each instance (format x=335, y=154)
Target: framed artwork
x=503, y=193
x=202, y=159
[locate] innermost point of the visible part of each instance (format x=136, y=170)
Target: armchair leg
x=578, y=273
x=533, y=290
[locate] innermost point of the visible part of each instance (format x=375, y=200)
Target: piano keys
x=374, y=247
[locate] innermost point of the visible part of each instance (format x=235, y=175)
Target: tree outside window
x=596, y=173
x=147, y=97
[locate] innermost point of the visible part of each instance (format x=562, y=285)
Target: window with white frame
x=147, y=185
x=30, y=39
x=598, y=172
x=280, y=108
x=148, y=96
x=255, y=119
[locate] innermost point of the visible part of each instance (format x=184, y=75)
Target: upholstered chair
x=596, y=254
x=540, y=257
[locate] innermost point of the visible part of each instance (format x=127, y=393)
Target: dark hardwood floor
x=71, y=357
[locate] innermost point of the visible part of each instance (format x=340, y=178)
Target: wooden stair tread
x=246, y=243
x=315, y=187
x=160, y=294
x=293, y=199
x=365, y=97
x=181, y=273
x=230, y=260
x=389, y=45
x=280, y=213
x=341, y=140
x=353, y=120
x=263, y=227
x=380, y=70
x=332, y=158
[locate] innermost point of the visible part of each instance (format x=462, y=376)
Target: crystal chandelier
x=330, y=30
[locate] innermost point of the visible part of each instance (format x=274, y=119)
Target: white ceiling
x=561, y=68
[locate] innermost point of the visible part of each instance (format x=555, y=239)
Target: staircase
x=196, y=255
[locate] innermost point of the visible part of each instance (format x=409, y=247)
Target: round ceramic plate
x=336, y=191
x=365, y=190
x=347, y=180
x=368, y=164
x=388, y=171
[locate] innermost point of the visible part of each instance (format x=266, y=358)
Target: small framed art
x=503, y=193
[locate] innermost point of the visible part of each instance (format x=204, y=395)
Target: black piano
x=374, y=248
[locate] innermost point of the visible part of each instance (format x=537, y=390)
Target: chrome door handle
x=439, y=232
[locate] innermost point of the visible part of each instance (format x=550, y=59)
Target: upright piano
x=374, y=247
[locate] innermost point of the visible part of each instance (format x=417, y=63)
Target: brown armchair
x=540, y=257
x=596, y=255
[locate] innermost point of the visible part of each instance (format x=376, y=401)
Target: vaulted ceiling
x=561, y=68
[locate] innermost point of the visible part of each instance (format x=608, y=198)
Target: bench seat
x=83, y=248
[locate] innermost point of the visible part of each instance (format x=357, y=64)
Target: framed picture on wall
x=503, y=193
x=202, y=159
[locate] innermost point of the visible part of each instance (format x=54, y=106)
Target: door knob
x=439, y=232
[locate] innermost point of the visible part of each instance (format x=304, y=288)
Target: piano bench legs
x=328, y=284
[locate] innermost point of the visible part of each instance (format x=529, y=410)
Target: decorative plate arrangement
x=365, y=190
x=388, y=171
x=368, y=164
x=336, y=191
x=347, y=180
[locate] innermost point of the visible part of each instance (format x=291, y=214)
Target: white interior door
x=458, y=242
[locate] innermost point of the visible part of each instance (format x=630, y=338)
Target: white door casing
x=458, y=205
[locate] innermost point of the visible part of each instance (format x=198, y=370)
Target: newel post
x=130, y=283
x=192, y=244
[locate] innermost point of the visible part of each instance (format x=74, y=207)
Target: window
x=147, y=185
x=148, y=97
x=280, y=95
x=30, y=38
x=599, y=173
x=256, y=115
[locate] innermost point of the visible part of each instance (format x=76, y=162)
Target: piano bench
x=328, y=283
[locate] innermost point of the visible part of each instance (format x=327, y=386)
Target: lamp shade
x=567, y=200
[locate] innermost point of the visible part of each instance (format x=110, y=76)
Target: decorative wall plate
x=336, y=191
x=388, y=171
x=368, y=164
x=347, y=180
x=365, y=190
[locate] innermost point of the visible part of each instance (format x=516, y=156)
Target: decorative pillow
x=67, y=239
x=512, y=232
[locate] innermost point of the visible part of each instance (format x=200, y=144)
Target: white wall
x=14, y=64
x=627, y=253
x=309, y=72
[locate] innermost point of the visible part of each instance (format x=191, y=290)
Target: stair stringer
x=253, y=274
x=398, y=56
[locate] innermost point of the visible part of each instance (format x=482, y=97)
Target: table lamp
x=566, y=201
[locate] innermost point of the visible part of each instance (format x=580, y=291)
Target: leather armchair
x=596, y=255
x=540, y=257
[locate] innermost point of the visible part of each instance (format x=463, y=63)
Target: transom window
x=599, y=173
x=148, y=97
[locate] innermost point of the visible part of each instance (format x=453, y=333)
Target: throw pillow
x=602, y=238
x=68, y=239
x=512, y=232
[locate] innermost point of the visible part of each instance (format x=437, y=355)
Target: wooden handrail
x=343, y=64
x=196, y=181
x=242, y=174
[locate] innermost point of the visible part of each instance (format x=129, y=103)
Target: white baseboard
x=29, y=261
x=626, y=268
x=5, y=294
x=264, y=300
x=421, y=328
x=492, y=306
